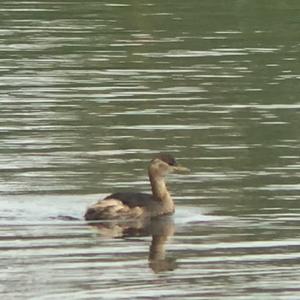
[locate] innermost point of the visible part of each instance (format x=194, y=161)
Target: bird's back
x=132, y=199
x=122, y=206
x=126, y=205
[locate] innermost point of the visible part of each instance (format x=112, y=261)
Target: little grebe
x=128, y=205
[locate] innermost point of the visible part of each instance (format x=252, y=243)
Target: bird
x=133, y=205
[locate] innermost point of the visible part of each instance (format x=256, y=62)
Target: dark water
x=90, y=90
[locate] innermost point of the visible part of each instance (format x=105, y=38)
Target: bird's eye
x=172, y=162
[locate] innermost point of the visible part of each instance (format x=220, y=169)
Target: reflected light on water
x=91, y=90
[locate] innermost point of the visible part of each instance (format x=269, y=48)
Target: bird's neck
x=159, y=189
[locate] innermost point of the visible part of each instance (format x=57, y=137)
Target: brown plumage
x=129, y=205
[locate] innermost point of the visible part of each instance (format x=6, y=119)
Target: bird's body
x=127, y=205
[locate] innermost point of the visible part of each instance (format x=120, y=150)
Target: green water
x=91, y=90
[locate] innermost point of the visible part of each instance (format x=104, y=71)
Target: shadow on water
x=161, y=229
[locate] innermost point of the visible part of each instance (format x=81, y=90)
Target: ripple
x=189, y=53
x=90, y=92
x=170, y=127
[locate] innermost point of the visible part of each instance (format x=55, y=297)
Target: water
x=91, y=90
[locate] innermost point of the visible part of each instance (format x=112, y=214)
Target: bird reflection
x=161, y=229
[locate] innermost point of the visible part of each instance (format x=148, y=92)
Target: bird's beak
x=181, y=169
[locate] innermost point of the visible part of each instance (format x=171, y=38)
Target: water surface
x=90, y=91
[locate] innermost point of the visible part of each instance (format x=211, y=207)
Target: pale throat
x=159, y=188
